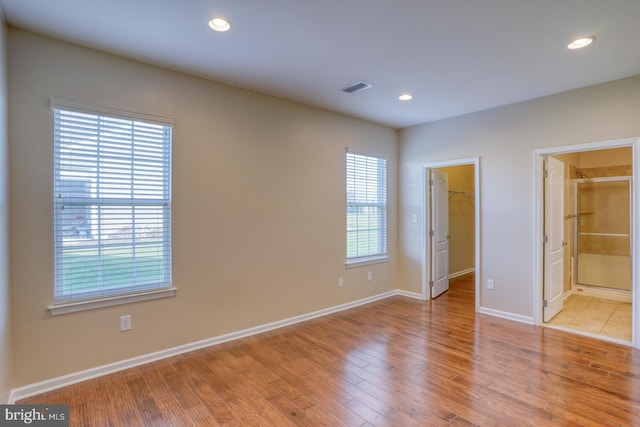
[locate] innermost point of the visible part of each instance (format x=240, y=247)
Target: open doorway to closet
x=588, y=254
x=451, y=228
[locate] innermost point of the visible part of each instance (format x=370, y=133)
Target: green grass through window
x=88, y=270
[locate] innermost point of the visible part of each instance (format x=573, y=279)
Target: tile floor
x=595, y=315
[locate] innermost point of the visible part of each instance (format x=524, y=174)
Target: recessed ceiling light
x=405, y=97
x=581, y=42
x=219, y=24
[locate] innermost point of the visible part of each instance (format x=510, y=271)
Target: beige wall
x=5, y=347
x=505, y=139
x=258, y=208
x=461, y=218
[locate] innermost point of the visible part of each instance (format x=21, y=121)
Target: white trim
x=374, y=259
x=72, y=307
x=635, y=245
x=409, y=294
x=381, y=182
x=76, y=377
x=426, y=249
x=461, y=273
x=538, y=231
x=63, y=104
x=425, y=227
x=506, y=315
x=538, y=227
x=357, y=152
x=588, y=146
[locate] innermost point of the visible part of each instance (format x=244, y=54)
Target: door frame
x=538, y=228
x=426, y=209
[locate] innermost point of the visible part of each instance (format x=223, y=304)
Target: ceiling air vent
x=356, y=87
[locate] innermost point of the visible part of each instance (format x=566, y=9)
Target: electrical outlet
x=491, y=284
x=125, y=323
x=340, y=282
x=370, y=275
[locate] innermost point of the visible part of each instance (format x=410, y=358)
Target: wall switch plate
x=491, y=284
x=340, y=282
x=414, y=218
x=125, y=323
x=370, y=275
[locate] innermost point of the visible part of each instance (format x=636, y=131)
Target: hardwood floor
x=395, y=362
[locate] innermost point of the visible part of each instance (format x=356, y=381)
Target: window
x=366, y=208
x=112, y=204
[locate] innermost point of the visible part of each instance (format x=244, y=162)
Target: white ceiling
x=454, y=56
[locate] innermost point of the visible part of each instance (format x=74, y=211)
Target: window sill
x=72, y=307
x=366, y=261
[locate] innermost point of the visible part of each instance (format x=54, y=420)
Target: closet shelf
x=461, y=193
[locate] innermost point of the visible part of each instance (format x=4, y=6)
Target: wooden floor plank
x=396, y=362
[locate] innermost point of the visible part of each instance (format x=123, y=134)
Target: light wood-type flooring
x=395, y=362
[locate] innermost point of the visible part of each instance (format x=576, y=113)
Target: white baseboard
x=76, y=377
x=506, y=315
x=414, y=295
x=461, y=273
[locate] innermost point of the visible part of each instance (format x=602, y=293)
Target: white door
x=439, y=232
x=554, y=238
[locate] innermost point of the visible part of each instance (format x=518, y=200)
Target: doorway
x=462, y=240
x=587, y=226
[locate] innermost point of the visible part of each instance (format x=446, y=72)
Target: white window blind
x=366, y=206
x=112, y=205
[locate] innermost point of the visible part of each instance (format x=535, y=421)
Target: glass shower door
x=603, y=245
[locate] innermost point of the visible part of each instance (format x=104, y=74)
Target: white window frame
x=366, y=188
x=157, y=196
